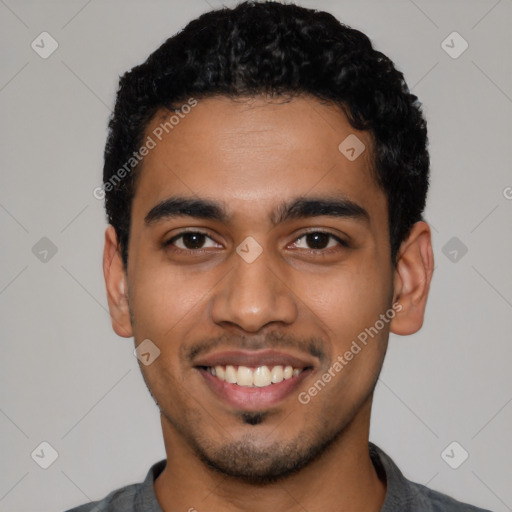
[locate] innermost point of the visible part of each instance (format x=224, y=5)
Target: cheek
x=347, y=301
x=162, y=297
x=350, y=303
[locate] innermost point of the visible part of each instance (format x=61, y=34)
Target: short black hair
x=275, y=49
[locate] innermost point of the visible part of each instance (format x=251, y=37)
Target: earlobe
x=412, y=278
x=116, y=285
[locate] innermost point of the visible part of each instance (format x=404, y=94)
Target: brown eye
x=318, y=241
x=193, y=240
x=190, y=241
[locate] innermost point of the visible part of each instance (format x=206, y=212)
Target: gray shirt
x=402, y=495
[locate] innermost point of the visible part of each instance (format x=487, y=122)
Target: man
x=265, y=176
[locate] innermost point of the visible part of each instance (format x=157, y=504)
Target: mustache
x=272, y=340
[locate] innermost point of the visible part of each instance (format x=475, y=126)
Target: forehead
x=250, y=154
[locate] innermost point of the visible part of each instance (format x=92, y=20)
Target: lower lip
x=253, y=398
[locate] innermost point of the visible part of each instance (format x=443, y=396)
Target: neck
x=343, y=479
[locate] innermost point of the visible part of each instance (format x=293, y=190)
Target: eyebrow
x=297, y=208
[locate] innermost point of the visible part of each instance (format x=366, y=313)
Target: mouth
x=260, y=376
x=252, y=381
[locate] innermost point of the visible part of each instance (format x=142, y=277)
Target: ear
x=412, y=278
x=116, y=284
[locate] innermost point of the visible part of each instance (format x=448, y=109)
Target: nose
x=253, y=295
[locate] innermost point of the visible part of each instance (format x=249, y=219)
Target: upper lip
x=253, y=358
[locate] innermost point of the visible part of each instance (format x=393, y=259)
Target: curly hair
x=276, y=49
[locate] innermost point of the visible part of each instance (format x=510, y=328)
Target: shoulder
x=121, y=499
x=130, y=498
x=435, y=501
x=403, y=495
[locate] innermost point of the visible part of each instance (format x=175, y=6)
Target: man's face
x=259, y=289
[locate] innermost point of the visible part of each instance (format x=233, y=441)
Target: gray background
x=67, y=379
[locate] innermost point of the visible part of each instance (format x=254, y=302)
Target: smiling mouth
x=257, y=376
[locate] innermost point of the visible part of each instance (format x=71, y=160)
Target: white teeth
x=277, y=374
x=220, y=372
x=244, y=376
x=261, y=377
x=230, y=375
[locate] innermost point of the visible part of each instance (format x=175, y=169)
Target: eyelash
x=319, y=252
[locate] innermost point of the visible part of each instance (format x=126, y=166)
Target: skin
x=253, y=154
